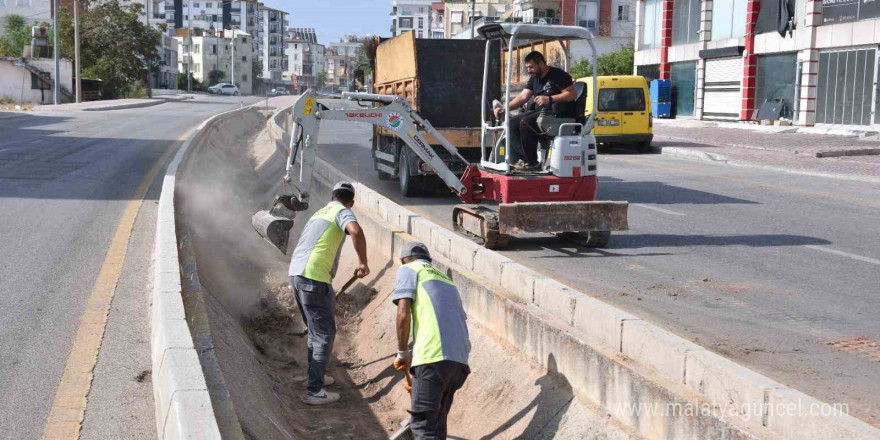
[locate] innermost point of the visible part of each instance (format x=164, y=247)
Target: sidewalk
x=844, y=157
x=114, y=104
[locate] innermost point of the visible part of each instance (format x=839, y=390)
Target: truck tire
x=410, y=186
x=644, y=147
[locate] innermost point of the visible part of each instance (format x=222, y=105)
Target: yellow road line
x=69, y=407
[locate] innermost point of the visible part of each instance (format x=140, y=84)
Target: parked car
x=229, y=89
x=278, y=91
x=216, y=88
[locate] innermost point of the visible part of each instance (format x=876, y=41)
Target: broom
x=404, y=433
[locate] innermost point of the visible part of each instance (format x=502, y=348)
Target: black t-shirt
x=553, y=83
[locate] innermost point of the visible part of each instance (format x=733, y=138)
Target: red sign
x=295, y=82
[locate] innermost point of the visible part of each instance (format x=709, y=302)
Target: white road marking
x=844, y=254
x=654, y=208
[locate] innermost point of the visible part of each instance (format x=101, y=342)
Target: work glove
x=402, y=361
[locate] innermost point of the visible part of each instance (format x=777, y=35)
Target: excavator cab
x=563, y=136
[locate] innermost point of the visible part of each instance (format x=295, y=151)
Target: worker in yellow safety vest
x=312, y=268
x=439, y=357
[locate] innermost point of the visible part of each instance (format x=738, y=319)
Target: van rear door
x=624, y=110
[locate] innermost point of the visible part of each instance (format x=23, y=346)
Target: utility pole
x=57, y=92
x=473, y=17
x=149, y=61
x=76, y=50
x=232, y=61
x=189, y=38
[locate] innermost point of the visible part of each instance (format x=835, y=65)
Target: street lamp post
x=56, y=96
x=76, y=50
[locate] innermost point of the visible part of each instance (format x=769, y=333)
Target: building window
x=421, y=22
x=196, y=5
x=728, y=19
x=244, y=58
x=209, y=5
x=406, y=22
x=23, y=3
x=420, y=35
x=652, y=12
x=623, y=13
x=196, y=48
x=196, y=67
x=686, y=21
x=588, y=14
x=776, y=80
x=213, y=49
x=244, y=77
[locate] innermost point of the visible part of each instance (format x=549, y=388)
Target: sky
x=333, y=19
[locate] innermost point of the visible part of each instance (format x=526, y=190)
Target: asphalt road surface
x=65, y=178
x=779, y=272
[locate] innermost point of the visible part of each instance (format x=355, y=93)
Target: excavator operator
x=549, y=88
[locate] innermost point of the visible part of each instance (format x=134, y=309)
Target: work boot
x=322, y=397
x=520, y=165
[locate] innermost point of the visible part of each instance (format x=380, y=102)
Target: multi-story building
x=165, y=77
x=265, y=26
x=461, y=14
x=438, y=20
x=612, y=22
x=220, y=52
x=305, y=57
x=411, y=15
x=274, y=25
x=34, y=11
x=727, y=57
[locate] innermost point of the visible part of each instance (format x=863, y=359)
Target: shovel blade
x=274, y=229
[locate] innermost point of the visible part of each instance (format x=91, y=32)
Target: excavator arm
x=396, y=114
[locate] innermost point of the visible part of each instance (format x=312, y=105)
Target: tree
x=181, y=81
x=321, y=79
x=16, y=33
x=114, y=45
x=256, y=74
x=612, y=63
x=215, y=76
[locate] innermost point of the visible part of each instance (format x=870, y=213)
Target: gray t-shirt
x=310, y=236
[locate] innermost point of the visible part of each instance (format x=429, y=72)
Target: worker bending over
x=312, y=268
x=439, y=358
x=548, y=88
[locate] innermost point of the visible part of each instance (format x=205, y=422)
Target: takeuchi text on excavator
x=498, y=200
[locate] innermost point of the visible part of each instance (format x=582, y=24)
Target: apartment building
x=612, y=22
x=459, y=20
x=727, y=57
x=411, y=15
x=216, y=52
x=265, y=26
x=305, y=57
x=35, y=11
x=165, y=77
x=438, y=20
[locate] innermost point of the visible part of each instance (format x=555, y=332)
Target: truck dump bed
x=442, y=79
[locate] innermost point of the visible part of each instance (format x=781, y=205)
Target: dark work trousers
x=524, y=137
x=433, y=387
x=318, y=304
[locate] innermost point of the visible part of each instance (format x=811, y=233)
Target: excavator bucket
x=275, y=224
x=587, y=223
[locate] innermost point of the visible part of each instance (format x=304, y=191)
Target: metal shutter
x=722, y=94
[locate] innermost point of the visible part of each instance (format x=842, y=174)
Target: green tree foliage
x=215, y=76
x=115, y=45
x=612, y=63
x=321, y=79
x=181, y=81
x=16, y=33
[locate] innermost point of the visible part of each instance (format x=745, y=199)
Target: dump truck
x=443, y=81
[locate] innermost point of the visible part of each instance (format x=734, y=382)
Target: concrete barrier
x=659, y=384
x=183, y=404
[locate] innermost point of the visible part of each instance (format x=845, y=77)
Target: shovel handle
x=347, y=285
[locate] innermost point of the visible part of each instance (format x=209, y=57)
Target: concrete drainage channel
x=548, y=361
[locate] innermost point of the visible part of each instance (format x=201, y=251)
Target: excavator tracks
x=480, y=224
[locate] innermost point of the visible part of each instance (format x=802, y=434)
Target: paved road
x=777, y=271
x=65, y=178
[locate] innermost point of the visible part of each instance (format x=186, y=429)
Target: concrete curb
x=146, y=103
x=183, y=404
x=703, y=156
x=611, y=357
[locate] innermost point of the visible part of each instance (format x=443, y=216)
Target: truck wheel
x=644, y=147
x=410, y=186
